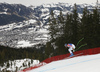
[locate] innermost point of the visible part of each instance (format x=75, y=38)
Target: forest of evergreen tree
x=82, y=31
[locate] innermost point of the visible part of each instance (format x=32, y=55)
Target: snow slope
x=19, y=64
x=89, y=63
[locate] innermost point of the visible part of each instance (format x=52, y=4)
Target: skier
x=71, y=48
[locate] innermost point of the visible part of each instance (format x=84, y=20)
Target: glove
x=73, y=50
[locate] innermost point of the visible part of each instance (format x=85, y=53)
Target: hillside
x=10, y=13
x=19, y=64
x=40, y=32
x=32, y=26
x=89, y=63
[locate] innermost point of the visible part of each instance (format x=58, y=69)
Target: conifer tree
x=84, y=22
x=68, y=28
x=52, y=26
x=48, y=49
x=84, y=27
x=60, y=24
x=60, y=33
x=96, y=27
x=75, y=23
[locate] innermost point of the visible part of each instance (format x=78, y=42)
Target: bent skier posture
x=71, y=48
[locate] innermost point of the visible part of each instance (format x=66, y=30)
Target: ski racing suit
x=71, y=47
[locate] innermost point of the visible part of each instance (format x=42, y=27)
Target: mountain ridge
x=10, y=13
x=34, y=30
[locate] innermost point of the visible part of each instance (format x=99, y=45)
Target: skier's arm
x=72, y=48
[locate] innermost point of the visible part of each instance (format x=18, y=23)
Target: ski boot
x=71, y=55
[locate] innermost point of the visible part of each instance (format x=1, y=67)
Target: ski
x=74, y=56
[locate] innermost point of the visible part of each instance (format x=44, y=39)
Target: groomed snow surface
x=89, y=63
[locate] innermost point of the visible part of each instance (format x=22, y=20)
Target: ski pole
x=79, y=41
x=80, y=46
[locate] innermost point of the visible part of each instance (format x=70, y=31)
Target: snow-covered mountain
x=43, y=11
x=22, y=34
x=34, y=28
x=10, y=13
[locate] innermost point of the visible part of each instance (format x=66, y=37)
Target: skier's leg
x=70, y=50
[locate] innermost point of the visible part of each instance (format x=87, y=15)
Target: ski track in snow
x=69, y=64
x=87, y=61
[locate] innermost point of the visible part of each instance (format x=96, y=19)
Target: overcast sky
x=39, y=2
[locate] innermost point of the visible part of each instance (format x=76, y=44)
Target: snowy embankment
x=16, y=65
x=89, y=63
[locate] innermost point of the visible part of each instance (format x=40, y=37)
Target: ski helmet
x=65, y=45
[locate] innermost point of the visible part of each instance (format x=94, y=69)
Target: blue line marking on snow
x=69, y=65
